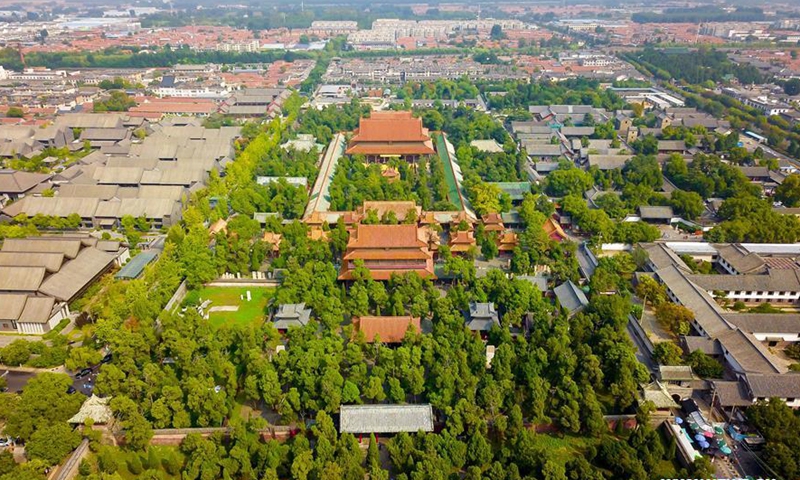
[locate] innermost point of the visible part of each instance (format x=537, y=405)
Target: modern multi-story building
x=147, y=177
x=769, y=106
x=386, y=31
x=333, y=27
x=170, y=88
x=394, y=70
x=40, y=276
x=749, y=273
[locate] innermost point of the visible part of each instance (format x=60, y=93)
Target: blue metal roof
x=134, y=268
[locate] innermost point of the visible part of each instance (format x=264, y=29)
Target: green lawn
x=564, y=448
x=248, y=312
x=666, y=469
x=449, y=175
x=123, y=458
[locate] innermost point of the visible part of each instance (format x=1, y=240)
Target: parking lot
x=84, y=380
x=16, y=380
x=85, y=384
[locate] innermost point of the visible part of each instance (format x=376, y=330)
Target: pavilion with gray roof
x=291, y=315
x=656, y=213
x=385, y=418
x=570, y=297
x=481, y=317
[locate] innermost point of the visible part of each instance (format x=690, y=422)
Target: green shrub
x=85, y=468
x=50, y=357
x=134, y=464
x=107, y=460
x=94, y=436
x=151, y=474
x=37, y=348
x=153, y=461
x=7, y=463
x=793, y=351
x=704, y=365
x=55, y=332
x=16, y=353
x=171, y=463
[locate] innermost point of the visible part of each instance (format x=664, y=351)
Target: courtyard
x=229, y=305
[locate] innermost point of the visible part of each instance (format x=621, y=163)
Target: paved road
x=749, y=463
x=16, y=380
x=70, y=467
x=7, y=339
x=778, y=155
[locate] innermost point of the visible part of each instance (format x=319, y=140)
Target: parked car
x=755, y=442
x=83, y=373
x=71, y=390
x=6, y=442
x=106, y=359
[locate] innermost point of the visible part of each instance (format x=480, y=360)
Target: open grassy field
x=563, y=448
x=123, y=461
x=248, y=312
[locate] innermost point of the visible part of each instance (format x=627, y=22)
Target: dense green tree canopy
x=177, y=370
x=44, y=403
x=695, y=66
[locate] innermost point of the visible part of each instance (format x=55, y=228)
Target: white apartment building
x=252, y=46
x=387, y=30
x=37, y=74
x=768, y=106
x=193, y=92
x=322, y=27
